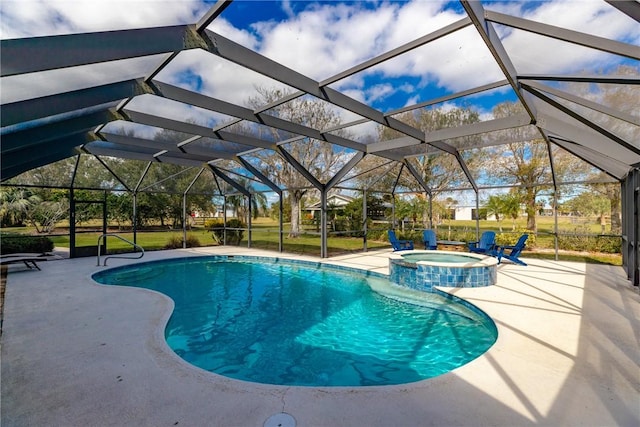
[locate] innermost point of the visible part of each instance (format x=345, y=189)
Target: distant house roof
x=335, y=200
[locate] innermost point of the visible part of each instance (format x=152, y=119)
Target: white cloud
x=122, y=127
x=378, y=92
x=356, y=94
x=588, y=16
x=456, y=62
x=538, y=54
x=173, y=110
x=287, y=8
x=219, y=78
x=416, y=19
x=224, y=28
x=324, y=40
x=27, y=86
x=412, y=101
x=27, y=18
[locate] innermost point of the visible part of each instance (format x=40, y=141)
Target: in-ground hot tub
x=422, y=270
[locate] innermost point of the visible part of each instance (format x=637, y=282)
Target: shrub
x=376, y=234
x=16, y=243
x=583, y=242
x=175, y=242
x=217, y=228
x=610, y=245
x=510, y=239
x=462, y=235
x=403, y=235
x=210, y=224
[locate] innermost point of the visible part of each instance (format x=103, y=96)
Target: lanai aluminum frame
x=43, y=129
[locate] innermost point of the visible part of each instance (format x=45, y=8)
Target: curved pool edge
x=481, y=260
x=528, y=355
x=159, y=340
x=163, y=355
x=423, y=275
x=414, y=296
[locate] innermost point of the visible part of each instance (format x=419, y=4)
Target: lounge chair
x=29, y=259
x=399, y=245
x=429, y=239
x=486, y=245
x=516, y=250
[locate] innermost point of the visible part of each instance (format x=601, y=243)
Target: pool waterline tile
x=424, y=274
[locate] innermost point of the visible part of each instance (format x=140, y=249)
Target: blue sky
x=321, y=39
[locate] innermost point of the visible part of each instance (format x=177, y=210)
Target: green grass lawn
x=261, y=238
x=149, y=240
x=265, y=235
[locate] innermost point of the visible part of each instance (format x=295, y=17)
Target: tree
x=260, y=205
x=15, y=203
x=120, y=208
x=239, y=202
x=439, y=170
x=511, y=206
x=494, y=206
x=504, y=206
x=274, y=211
x=590, y=203
x=318, y=157
x=567, y=168
x=623, y=98
x=404, y=209
x=54, y=174
x=353, y=209
x=165, y=184
x=523, y=161
x=19, y=205
x=611, y=192
x=46, y=214
x=85, y=212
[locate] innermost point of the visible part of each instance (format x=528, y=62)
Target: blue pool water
x=290, y=323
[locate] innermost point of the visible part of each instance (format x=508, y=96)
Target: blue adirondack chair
x=516, y=250
x=429, y=239
x=486, y=244
x=399, y=245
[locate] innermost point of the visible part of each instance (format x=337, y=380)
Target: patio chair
x=429, y=239
x=486, y=245
x=516, y=250
x=29, y=259
x=399, y=245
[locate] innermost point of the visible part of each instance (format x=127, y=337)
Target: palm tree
x=239, y=204
x=511, y=207
x=259, y=204
x=495, y=207
x=15, y=204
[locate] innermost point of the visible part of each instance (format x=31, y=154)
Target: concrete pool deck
x=75, y=353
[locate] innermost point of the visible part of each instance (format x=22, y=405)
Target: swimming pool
x=272, y=321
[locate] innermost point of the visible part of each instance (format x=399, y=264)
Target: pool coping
x=392, y=291
x=553, y=361
x=482, y=260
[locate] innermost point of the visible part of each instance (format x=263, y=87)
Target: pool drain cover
x=280, y=420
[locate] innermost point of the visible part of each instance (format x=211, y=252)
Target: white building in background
x=337, y=201
x=467, y=213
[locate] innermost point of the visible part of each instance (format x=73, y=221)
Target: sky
x=319, y=40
